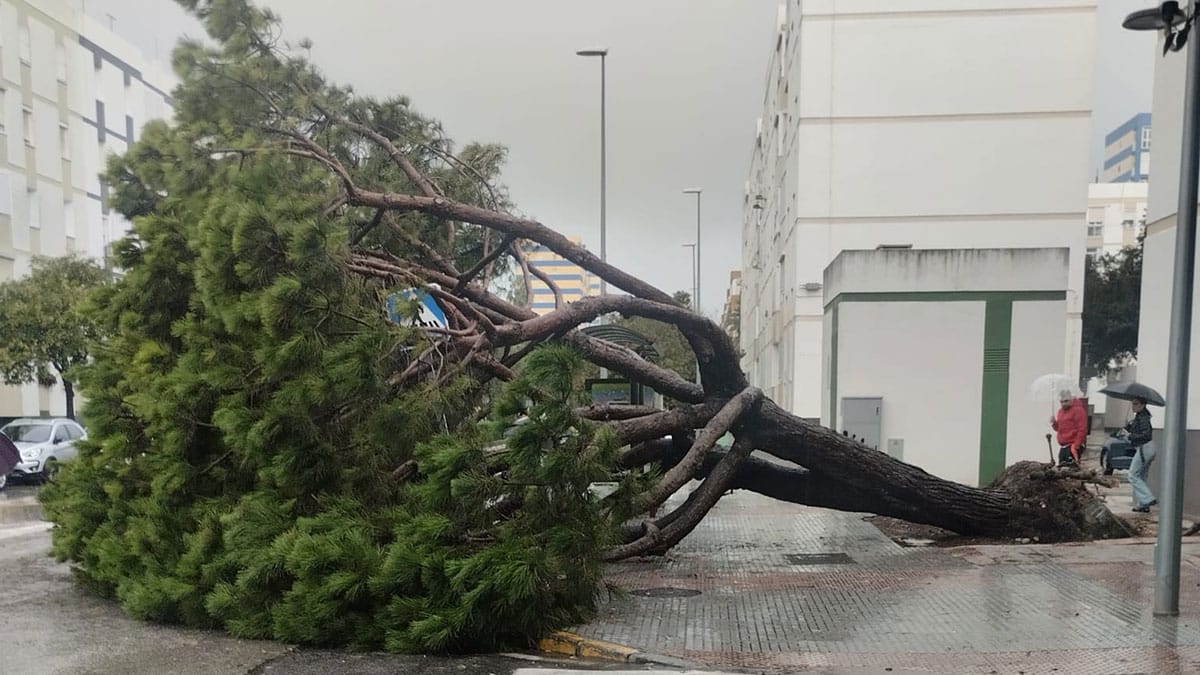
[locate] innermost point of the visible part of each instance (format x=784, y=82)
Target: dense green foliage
x=248, y=445
x=46, y=332
x=1112, y=286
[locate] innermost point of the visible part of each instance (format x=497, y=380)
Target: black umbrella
x=1127, y=391
x=9, y=455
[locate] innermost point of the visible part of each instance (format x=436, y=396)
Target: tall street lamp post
x=1176, y=24
x=603, y=54
x=695, y=297
x=699, y=267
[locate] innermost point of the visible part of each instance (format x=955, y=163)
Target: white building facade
x=71, y=94
x=1116, y=216
x=1158, y=263
x=909, y=123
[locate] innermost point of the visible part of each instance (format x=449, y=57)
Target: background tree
x=1112, y=287
x=271, y=456
x=674, y=353
x=46, y=332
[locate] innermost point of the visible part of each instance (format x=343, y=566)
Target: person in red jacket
x=1071, y=425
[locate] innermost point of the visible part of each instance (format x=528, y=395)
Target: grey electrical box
x=895, y=448
x=862, y=418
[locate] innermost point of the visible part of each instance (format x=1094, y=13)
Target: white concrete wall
x=1037, y=330
x=930, y=380
x=894, y=122
x=1158, y=255
x=1154, y=323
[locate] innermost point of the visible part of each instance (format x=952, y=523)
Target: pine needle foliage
x=245, y=433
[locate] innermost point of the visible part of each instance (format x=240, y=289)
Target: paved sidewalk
x=744, y=592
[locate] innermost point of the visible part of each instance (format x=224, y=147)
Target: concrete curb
x=566, y=643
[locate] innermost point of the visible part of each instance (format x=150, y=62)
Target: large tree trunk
x=69, y=391
x=1028, y=500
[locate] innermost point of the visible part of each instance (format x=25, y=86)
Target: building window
x=101, y=124
x=1128, y=222
x=1095, y=230
x=64, y=141
x=1145, y=138
x=2, y=111
x=60, y=62
x=35, y=210
x=69, y=218
x=1093, y=252
x=27, y=123
x=23, y=44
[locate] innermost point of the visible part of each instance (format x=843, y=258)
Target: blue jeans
x=1139, y=468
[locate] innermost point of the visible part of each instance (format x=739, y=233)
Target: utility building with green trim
x=929, y=354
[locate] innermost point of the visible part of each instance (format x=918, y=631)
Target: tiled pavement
x=982, y=609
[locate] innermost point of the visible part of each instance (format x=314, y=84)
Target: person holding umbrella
x=1139, y=432
x=1071, y=425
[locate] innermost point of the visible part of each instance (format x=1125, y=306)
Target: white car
x=43, y=442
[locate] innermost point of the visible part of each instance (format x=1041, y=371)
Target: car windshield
x=28, y=433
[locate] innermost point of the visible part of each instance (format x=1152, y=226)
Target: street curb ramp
x=566, y=643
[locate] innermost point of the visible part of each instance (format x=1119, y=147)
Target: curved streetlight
x=1176, y=25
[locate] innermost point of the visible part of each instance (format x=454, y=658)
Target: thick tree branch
x=508, y=224
x=485, y=261
x=526, y=273
x=607, y=412
x=600, y=352
x=558, y=296
x=665, y=423
x=682, y=472
x=681, y=522
x=366, y=229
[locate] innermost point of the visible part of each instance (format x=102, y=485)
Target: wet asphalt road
x=49, y=626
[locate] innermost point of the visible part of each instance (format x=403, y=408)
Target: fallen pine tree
x=272, y=454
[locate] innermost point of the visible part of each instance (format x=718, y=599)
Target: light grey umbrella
x=1127, y=391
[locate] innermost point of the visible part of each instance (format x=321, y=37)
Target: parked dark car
x=1117, y=453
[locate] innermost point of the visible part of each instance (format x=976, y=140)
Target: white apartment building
x=914, y=123
x=71, y=94
x=1158, y=265
x=1116, y=216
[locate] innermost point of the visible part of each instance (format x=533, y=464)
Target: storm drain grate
x=819, y=559
x=665, y=592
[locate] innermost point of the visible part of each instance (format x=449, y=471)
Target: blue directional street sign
x=429, y=313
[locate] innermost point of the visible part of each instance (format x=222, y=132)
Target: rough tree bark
x=824, y=468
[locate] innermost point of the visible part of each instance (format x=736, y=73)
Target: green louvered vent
x=995, y=360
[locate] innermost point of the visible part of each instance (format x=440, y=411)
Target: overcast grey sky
x=685, y=84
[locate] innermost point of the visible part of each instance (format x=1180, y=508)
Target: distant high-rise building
x=1116, y=216
x=71, y=94
x=1127, y=151
x=572, y=280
